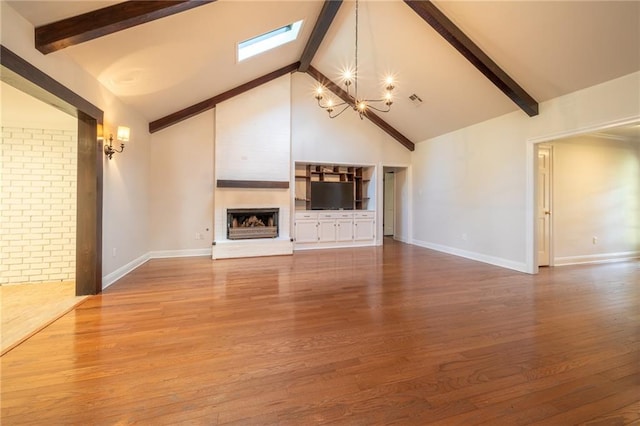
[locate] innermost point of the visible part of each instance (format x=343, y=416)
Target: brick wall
x=37, y=205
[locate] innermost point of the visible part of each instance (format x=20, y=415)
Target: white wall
x=181, y=187
x=38, y=174
x=125, y=207
x=253, y=133
x=473, y=188
x=596, y=193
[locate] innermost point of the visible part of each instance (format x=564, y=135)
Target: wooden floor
x=27, y=308
x=386, y=335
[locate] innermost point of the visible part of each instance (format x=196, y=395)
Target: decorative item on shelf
x=122, y=135
x=359, y=104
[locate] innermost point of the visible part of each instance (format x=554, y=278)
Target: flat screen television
x=332, y=195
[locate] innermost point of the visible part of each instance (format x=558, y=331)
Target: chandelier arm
x=343, y=110
x=378, y=109
x=332, y=106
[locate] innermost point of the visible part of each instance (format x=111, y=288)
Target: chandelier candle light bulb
x=360, y=105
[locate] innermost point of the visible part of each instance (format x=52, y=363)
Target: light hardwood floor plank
x=27, y=308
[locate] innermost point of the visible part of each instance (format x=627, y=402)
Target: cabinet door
x=344, y=231
x=326, y=230
x=363, y=229
x=306, y=231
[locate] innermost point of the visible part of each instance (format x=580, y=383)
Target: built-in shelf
x=306, y=173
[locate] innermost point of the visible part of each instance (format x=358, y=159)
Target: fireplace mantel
x=269, y=184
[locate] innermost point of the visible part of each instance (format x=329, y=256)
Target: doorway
x=394, y=203
x=585, y=196
x=25, y=77
x=38, y=230
x=21, y=75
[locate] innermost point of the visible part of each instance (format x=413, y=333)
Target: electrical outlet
x=114, y=252
x=595, y=240
x=198, y=236
x=464, y=236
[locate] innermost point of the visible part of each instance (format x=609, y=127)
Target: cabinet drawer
x=306, y=215
x=365, y=214
x=335, y=215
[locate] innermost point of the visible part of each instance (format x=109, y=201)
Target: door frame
x=531, y=244
x=20, y=74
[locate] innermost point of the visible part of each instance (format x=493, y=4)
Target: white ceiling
x=549, y=47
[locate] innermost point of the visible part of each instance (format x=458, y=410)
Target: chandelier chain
x=350, y=77
x=355, y=72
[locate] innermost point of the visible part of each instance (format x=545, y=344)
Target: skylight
x=268, y=41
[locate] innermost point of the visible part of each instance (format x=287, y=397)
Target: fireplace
x=245, y=224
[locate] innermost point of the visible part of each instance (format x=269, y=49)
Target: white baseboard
x=492, y=260
x=162, y=254
x=596, y=258
x=114, y=276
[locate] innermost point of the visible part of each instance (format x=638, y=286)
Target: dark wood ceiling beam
x=210, y=103
x=326, y=82
x=454, y=35
x=327, y=14
x=24, y=76
x=108, y=20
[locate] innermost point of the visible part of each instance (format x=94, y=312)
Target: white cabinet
x=344, y=229
x=306, y=227
x=326, y=229
x=364, y=226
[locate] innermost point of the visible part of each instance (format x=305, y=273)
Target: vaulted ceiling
x=550, y=48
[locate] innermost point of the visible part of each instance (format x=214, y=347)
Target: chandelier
x=359, y=104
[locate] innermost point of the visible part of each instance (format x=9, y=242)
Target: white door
x=388, y=218
x=544, y=205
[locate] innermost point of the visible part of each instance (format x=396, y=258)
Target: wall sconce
x=122, y=135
